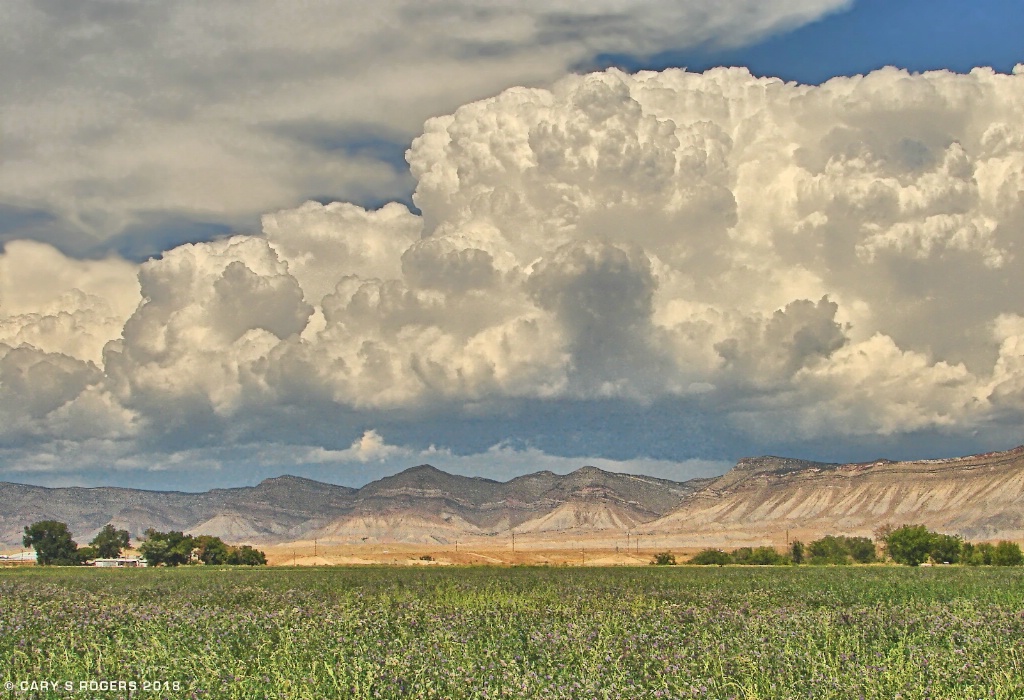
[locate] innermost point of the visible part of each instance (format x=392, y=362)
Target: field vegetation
x=537, y=632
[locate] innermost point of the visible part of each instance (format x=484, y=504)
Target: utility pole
x=513, y=541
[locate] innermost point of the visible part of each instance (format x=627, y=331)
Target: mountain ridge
x=977, y=496
x=419, y=504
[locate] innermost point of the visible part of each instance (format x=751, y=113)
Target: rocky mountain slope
x=979, y=497
x=424, y=504
x=272, y=510
x=421, y=504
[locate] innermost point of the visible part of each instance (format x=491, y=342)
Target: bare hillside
x=980, y=497
x=419, y=505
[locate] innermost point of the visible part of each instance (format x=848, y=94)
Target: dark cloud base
x=667, y=429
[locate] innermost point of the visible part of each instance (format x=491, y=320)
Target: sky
x=242, y=240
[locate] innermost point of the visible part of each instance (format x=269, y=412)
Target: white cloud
x=115, y=112
x=798, y=261
x=57, y=304
x=370, y=447
x=322, y=244
x=211, y=314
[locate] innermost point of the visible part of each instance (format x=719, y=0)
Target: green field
x=480, y=632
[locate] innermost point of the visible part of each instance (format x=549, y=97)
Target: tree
x=710, y=557
x=167, y=548
x=154, y=548
x=946, y=549
x=796, y=552
x=52, y=542
x=909, y=544
x=840, y=549
x=664, y=559
x=248, y=556
x=86, y=553
x=883, y=531
x=109, y=542
x=828, y=550
x=881, y=534
x=861, y=549
x=765, y=556
x=1007, y=554
x=211, y=550
x=977, y=554
x=741, y=555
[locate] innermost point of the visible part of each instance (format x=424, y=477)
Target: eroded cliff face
x=419, y=505
x=979, y=497
x=425, y=505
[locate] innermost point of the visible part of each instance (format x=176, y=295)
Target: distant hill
x=263, y=513
x=980, y=497
x=421, y=504
x=424, y=504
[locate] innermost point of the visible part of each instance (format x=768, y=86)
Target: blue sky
x=918, y=35
x=657, y=275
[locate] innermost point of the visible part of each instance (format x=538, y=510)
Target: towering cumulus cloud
x=814, y=261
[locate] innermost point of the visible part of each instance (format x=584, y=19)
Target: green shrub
x=664, y=559
x=828, y=550
x=741, y=555
x=765, y=556
x=246, y=556
x=946, y=549
x=1007, y=554
x=910, y=544
x=977, y=554
x=861, y=549
x=796, y=552
x=710, y=557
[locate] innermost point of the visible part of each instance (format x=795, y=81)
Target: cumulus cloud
x=210, y=312
x=795, y=261
x=121, y=114
x=370, y=447
x=56, y=316
x=60, y=305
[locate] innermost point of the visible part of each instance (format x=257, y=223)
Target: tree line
x=175, y=548
x=911, y=545
x=54, y=546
